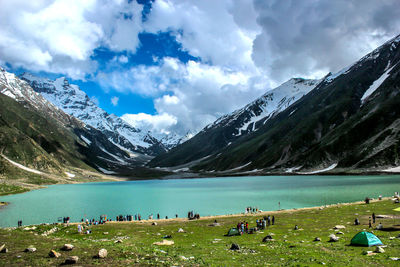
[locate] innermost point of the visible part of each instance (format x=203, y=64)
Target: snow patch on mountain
x=375, y=85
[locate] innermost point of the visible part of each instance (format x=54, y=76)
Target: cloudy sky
x=175, y=65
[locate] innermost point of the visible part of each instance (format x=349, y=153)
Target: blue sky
x=174, y=66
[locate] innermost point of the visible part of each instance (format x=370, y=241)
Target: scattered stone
x=183, y=258
x=339, y=227
x=235, y=247
x=391, y=237
x=54, y=254
x=368, y=253
x=340, y=233
x=317, y=239
x=395, y=259
x=164, y=243
x=105, y=233
x=30, y=228
x=333, y=238
x=181, y=230
x=3, y=249
x=379, y=249
x=67, y=247
x=268, y=238
x=154, y=223
x=302, y=241
x=118, y=241
x=30, y=249
x=102, y=253
x=72, y=260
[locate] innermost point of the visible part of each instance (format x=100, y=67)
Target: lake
x=206, y=196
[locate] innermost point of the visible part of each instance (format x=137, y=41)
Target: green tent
x=233, y=231
x=365, y=239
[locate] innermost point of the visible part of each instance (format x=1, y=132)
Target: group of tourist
x=262, y=223
x=191, y=215
x=251, y=210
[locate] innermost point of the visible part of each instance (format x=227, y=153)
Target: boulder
x=30, y=249
x=317, y=239
x=54, y=254
x=3, y=249
x=340, y=233
x=333, y=238
x=102, y=253
x=180, y=230
x=235, y=247
x=71, y=260
x=268, y=238
x=379, y=249
x=339, y=227
x=164, y=243
x=154, y=223
x=67, y=247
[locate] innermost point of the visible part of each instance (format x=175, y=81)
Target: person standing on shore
x=273, y=220
x=373, y=217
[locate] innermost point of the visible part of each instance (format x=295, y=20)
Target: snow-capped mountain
x=228, y=128
x=72, y=100
x=256, y=113
x=172, y=140
x=83, y=141
x=350, y=121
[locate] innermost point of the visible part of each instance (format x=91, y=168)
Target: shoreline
x=223, y=216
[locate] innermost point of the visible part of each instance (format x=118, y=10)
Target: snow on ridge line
x=22, y=166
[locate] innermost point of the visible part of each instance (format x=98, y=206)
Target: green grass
x=208, y=246
x=6, y=189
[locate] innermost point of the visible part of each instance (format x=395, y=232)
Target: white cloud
x=307, y=38
x=95, y=100
x=155, y=123
x=60, y=36
x=114, y=101
x=194, y=93
x=220, y=32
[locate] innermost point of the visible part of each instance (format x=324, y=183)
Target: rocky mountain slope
x=349, y=121
x=39, y=135
x=73, y=101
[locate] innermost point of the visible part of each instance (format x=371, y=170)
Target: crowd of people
x=262, y=223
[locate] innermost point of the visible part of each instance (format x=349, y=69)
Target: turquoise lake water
x=206, y=196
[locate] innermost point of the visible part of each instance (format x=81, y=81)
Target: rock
x=339, y=227
x=368, y=253
x=317, y=239
x=54, y=254
x=105, y=233
x=180, y=230
x=3, y=249
x=183, y=258
x=391, y=238
x=30, y=249
x=268, y=238
x=118, y=241
x=333, y=238
x=102, y=253
x=379, y=249
x=235, y=247
x=154, y=223
x=164, y=243
x=67, y=247
x=395, y=259
x=71, y=260
x=340, y=233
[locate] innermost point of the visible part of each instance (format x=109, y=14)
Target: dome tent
x=365, y=239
